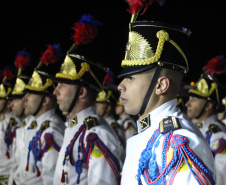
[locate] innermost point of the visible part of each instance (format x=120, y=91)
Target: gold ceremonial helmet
x=210, y=84
x=154, y=44
x=208, y=88
x=8, y=82
x=41, y=80
x=79, y=69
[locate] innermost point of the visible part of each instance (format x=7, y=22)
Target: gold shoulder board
x=214, y=128
x=169, y=123
x=90, y=122
x=44, y=125
x=12, y=122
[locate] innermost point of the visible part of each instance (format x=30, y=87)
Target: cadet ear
x=162, y=85
x=83, y=92
x=209, y=106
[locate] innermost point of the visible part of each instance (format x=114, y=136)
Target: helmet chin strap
x=150, y=89
x=39, y=107
x=74, y=100
x=203, y=109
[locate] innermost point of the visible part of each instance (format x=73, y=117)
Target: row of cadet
x=168, y=147
x=205, y=105
x=36, y=146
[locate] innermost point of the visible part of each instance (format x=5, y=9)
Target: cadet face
x=101, y=108
x=31, y=103
x=2, y=103
x=133, y=89
x=194, y=106
x=65, y=94
x=17, y=106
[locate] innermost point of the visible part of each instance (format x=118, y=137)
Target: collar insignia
x=115, y=125
x=169, y=123
x=33, y=124
x=145, y=122
x=23, y=124
x=2, y=117
x=199, y=125
x=74, y=121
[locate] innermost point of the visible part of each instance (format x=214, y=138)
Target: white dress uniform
x=19, y=150
x=121, y=136
x=129, y=125
x=41, y=171
x=218, y=146
x=158, y=166
x=95, y=163
x=204, y=126
x=214, y=132
x=5, y=161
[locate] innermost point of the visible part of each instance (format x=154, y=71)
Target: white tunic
x=137, y=143
x=211, y=120
x=220, y=157
x=99, y=171
x=48, y=161
x=5, y=162
x=121, y=135
x=18, y=151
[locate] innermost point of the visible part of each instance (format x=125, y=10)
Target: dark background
x=32, y=25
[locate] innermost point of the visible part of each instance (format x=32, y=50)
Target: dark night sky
x=34, y=24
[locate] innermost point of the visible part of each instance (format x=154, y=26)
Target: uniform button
x=26, y=152
x=25, y=175
x=136, y=177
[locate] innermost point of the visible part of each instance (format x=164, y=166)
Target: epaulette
x=115, y=125
x=12, y=122
x=44, y=125
x=214, y=128
x=90, y=122
x=169, y=123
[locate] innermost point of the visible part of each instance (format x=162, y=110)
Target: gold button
x=25, y=175
x=136, y=177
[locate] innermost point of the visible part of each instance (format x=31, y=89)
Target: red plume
x=108, y=79
x=8, y=74
x=214, y=66
x=52, y=54
x=22, y=59
x=138, y=5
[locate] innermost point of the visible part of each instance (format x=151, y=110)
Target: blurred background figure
x=127, y=122
x=105, y=105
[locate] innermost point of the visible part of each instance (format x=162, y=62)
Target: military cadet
x=90, y=152
x=125, y=120
x=44, y=136
x=168, y=147
x=105, y=105
x=23, y=63
x=8, y=123
x=203, y=105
